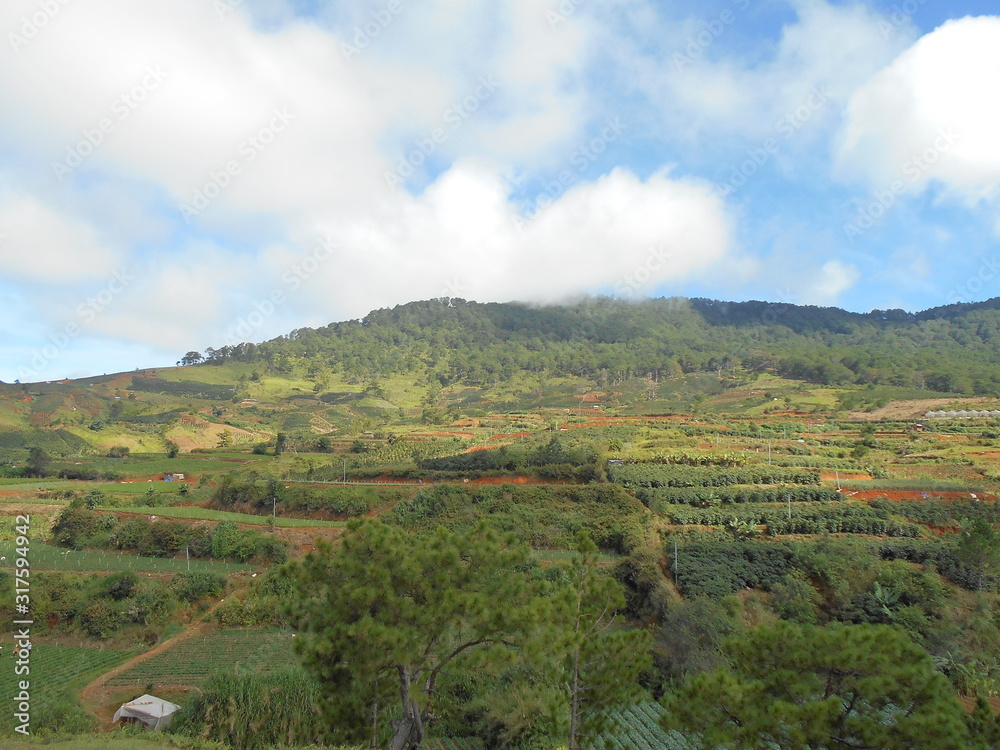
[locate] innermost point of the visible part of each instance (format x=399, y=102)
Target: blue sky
x=179, y=174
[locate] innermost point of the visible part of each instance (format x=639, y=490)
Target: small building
x=149, y=710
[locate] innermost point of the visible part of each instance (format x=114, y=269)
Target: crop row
x=637, y=727
x=803, y=518
x=53, y=670
x=655, y=475
x=653, y=497
x=195, y=659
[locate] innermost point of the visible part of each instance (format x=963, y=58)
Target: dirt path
x=94, y=695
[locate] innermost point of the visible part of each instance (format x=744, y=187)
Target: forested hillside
x=952, y=349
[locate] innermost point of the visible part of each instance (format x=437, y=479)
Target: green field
x=207, y=514
x=637, y=727
x=46, y=557
x=193, y=660
x=54, y=671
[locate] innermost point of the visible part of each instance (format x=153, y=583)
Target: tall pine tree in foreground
x=383, y=616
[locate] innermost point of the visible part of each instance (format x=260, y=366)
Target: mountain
x=439, y=361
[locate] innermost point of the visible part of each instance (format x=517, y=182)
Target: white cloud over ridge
x=228, y=122
x=209, y=153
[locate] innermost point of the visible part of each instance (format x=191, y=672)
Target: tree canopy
x=380, y=618
x=811, y=688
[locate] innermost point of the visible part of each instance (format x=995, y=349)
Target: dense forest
x=953, y=349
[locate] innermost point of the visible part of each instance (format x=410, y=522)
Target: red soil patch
x=511, y=480
x=477, y=448
x=903, y=496
x=510, y=437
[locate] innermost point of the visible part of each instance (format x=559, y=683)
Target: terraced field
x=55, y=671
x=193, y=660
x=207, y=514
x=46, y=557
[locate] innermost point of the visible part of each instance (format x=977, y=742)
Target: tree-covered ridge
x=951, y=349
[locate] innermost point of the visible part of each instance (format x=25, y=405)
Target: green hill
x=438, y=361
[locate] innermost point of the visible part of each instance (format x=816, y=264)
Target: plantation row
x=692, y=459
x=544, y=517
x=742, y=429
x=942, y=512
x=654, y=475
x=653, y=497
x=803, y=518
x=706, y=565
x=818, y=462
x=264, y=496
x=79, y=528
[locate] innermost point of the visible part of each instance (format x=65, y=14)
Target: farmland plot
x=195, y=659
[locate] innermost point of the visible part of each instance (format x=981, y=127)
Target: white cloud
x=932, y=114
x=176, y=92
x=463, y=238
x=833, y=279
x=38, y=243
x=830, y=48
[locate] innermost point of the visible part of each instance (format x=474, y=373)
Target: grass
x=32, y=501
x=207, y=514
x=195, y=659
x=47, y=557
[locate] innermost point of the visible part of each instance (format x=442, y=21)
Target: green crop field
x=637, y=728
x=193, y=660
x=54, y=672
x=206, y=514
x=47, y=557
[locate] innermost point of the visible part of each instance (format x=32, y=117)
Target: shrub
x=190, y=587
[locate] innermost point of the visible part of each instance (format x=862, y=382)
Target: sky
x=184, y=174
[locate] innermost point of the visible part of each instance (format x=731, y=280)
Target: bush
x=100, y=619
x=190, y=587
